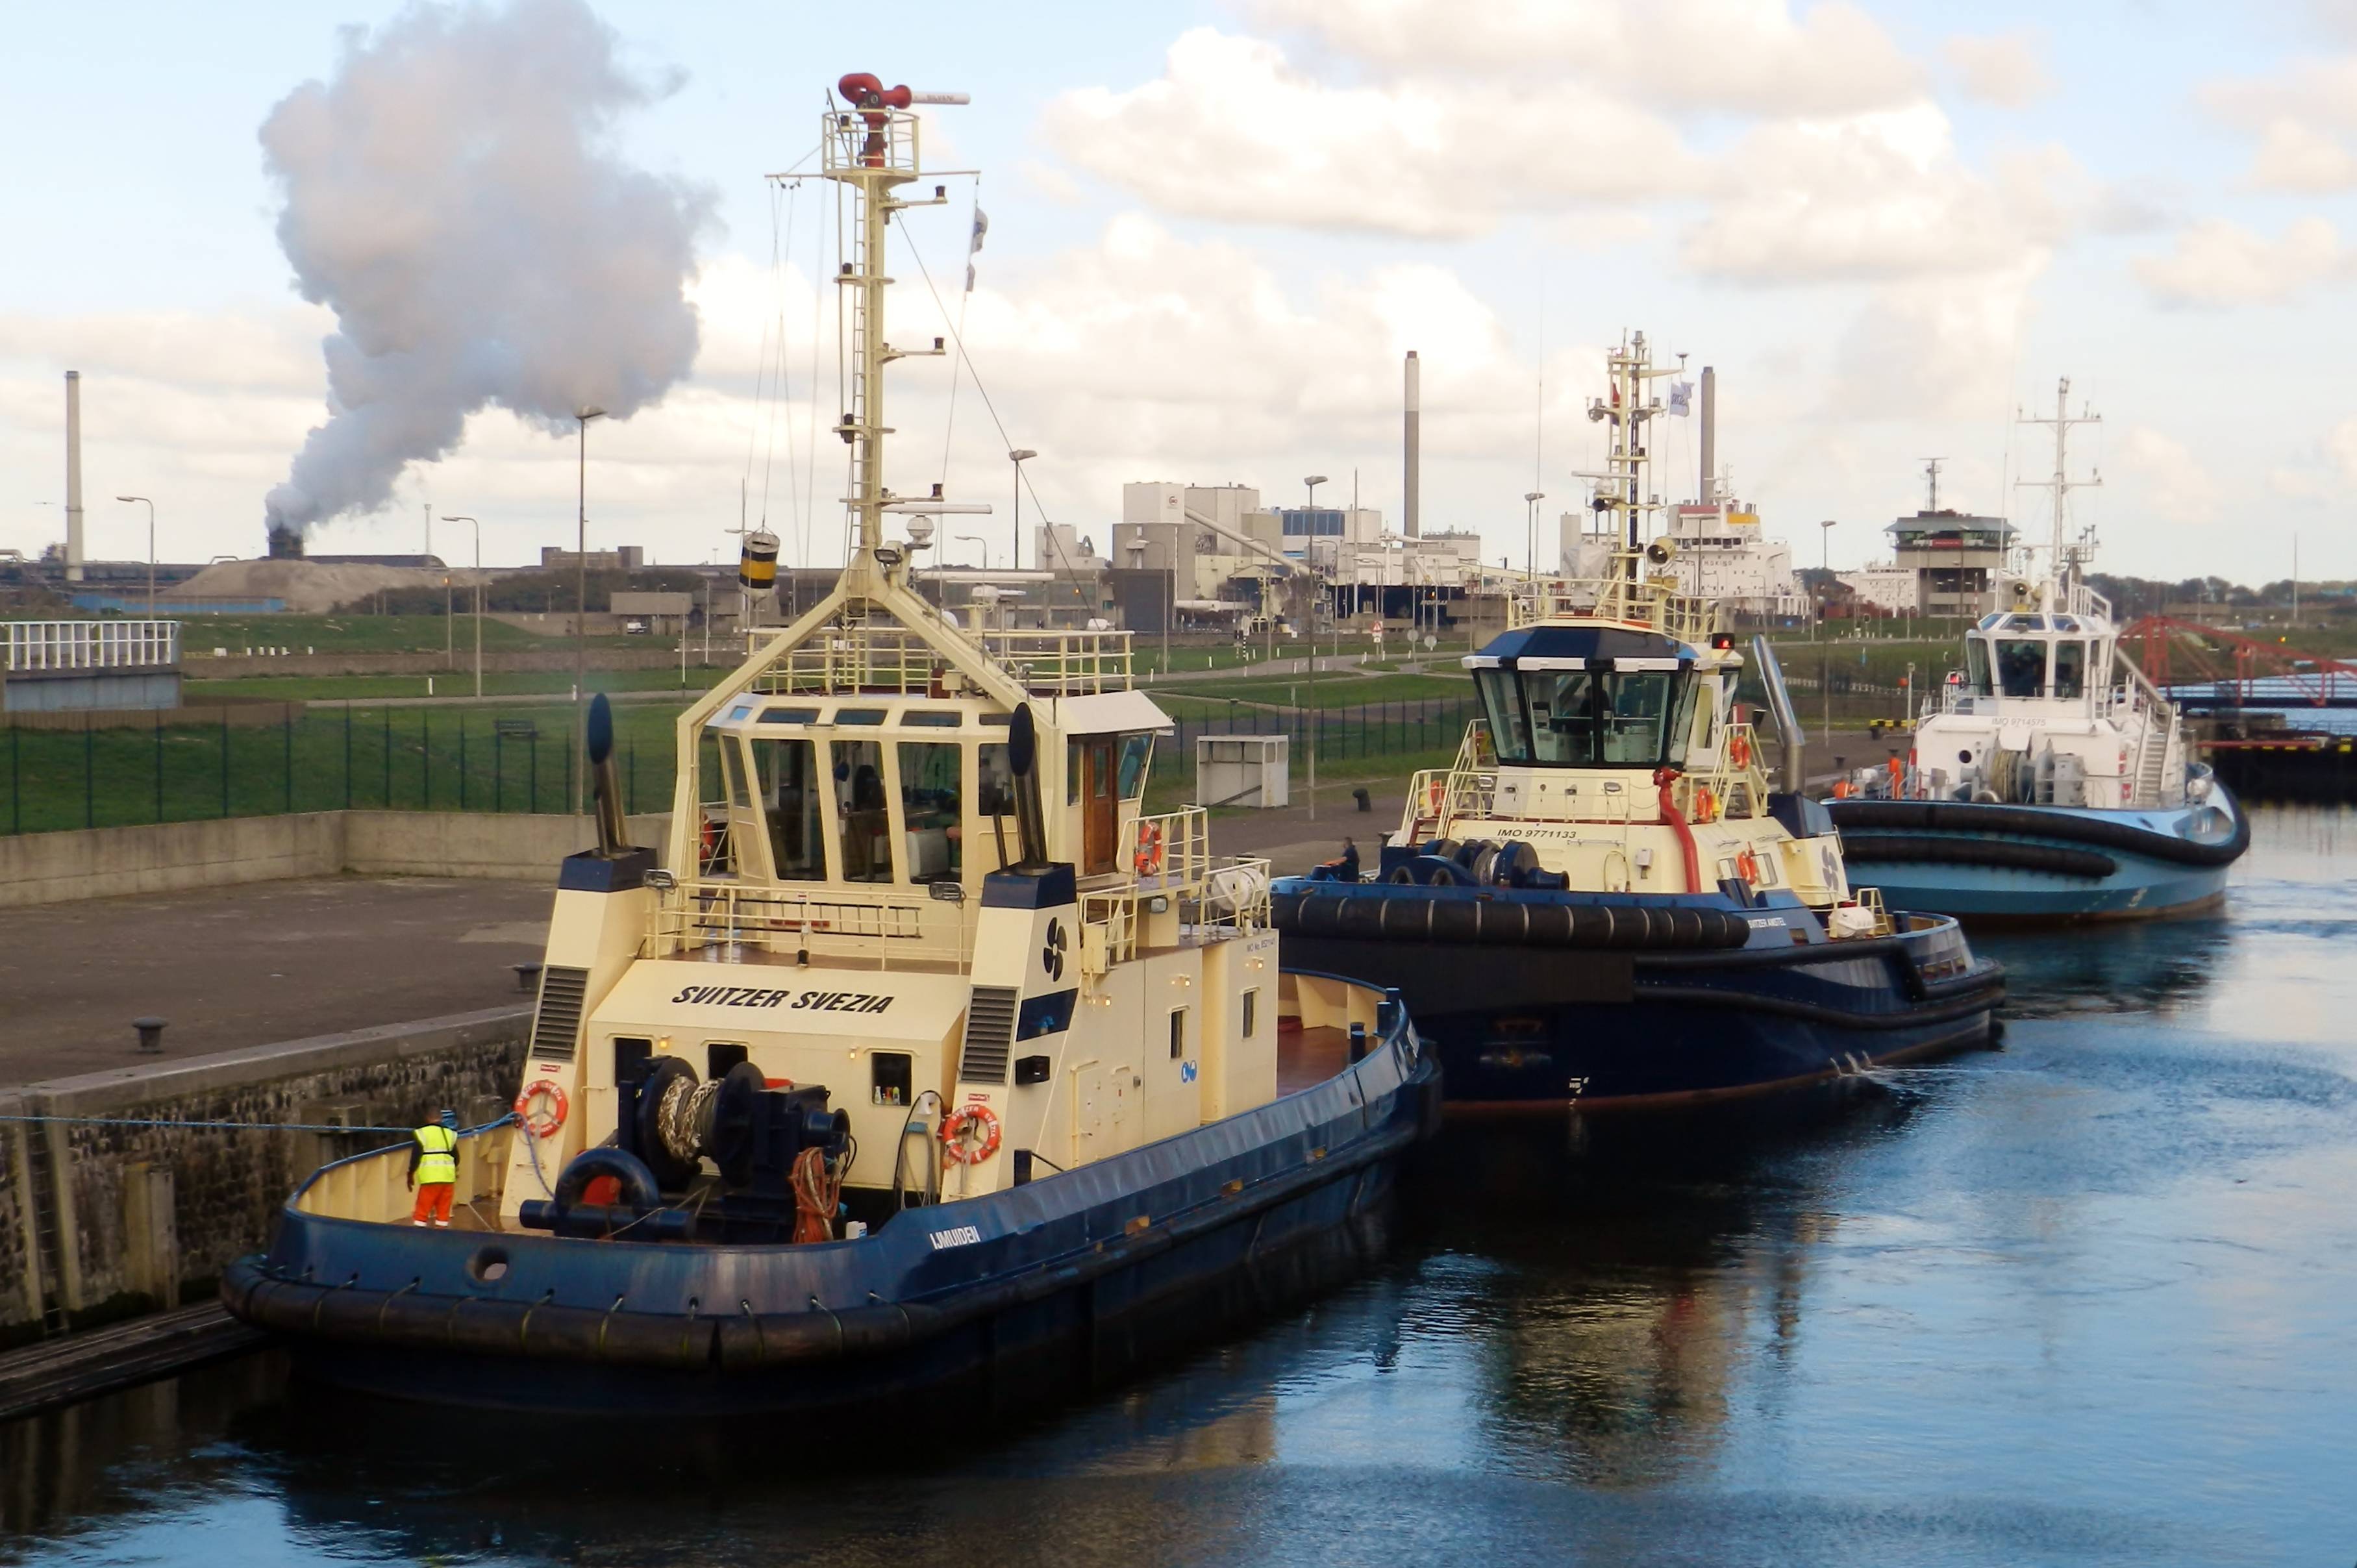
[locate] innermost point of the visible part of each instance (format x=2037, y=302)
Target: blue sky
x=1211, y=236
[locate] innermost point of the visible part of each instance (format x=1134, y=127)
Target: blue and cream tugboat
x=2050, y=780
x=1604, y=901
x=924, y=1060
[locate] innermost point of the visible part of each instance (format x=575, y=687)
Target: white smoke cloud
x=452, y=193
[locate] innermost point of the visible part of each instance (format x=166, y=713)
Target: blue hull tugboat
x=2050, y=781
x=1603, y=902
x=862, y=1091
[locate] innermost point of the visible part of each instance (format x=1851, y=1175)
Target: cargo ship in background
x=2050, y=780
x=924, y=1060
x=1606, y=901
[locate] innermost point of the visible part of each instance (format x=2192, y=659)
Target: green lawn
x=1327, y=690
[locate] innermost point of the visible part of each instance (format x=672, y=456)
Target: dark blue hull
x=1068, y=1280
x=1650, y=1023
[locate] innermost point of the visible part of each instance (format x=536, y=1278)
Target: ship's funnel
x=1411, y=509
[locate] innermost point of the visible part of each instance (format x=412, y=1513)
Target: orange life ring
x=1149, y=853
x=541, y=1123
x=954, y=1146
x=1747, y=867
x=1706, y=804
x=1436, y=795
x=1738, y=751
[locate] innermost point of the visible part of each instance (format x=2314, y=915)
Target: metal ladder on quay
x=48, y=1243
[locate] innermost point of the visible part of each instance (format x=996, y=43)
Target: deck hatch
x=557, y=1026
x=989, y=1034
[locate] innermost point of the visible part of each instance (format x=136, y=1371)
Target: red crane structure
x=2240, y=669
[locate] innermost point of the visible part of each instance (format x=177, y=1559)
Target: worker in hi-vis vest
x=434, y=1169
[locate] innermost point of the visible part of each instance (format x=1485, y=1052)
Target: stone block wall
x=226, y=1186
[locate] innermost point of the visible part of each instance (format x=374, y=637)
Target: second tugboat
x=927, y=1059
x=2051, y=780
x=1605, y=902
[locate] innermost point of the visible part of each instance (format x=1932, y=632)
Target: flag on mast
x=1681, y=398
x=974, y=246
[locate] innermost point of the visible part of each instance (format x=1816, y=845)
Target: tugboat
x=861, y=1090
x=2050, y=780
x=1603, y=902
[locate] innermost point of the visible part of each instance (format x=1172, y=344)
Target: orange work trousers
x=432, y=1202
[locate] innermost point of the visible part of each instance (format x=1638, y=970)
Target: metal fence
x=380, y=758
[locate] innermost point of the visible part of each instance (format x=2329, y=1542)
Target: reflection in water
x=2084, y=1299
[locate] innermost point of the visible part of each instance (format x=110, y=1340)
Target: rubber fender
x=640, y=1190
x=1965, y=817
x=2012, y=855
x=1459, y=921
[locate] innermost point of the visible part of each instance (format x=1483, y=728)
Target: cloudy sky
x=1215, y=229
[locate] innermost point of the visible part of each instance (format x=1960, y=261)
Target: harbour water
x=2090, y=1298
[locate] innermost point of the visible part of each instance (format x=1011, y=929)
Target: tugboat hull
x=1661, y=1020
x=1061, y=1283
x=2055, y=864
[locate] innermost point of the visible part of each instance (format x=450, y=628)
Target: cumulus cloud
x=2003, y=69
x=1232, y=130
x=1935, y=348
x=2303, y=115
x=1872, y=197
x=1753, y=56
x=2216, y=263
x=2172, y=481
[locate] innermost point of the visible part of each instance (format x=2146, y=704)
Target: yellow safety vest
x=440, y=1160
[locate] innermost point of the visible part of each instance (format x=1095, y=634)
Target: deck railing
x=892, y=660
x=886, y=925
x=1628, y=598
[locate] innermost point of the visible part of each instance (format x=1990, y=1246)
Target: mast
x=872, y=149
x=2061, y=484
x=1620, y=487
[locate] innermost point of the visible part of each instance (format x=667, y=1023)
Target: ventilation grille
x=557, y=1028
x=989, y=1033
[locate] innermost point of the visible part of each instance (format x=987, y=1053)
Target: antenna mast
x=1620, y=487
x=1931, y=473
x=2061, y=484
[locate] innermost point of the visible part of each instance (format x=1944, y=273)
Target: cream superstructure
x=842, y=798
x=1613, y=744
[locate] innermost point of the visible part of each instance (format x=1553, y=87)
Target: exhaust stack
x=73, y=476
x=1709, y=492
x=285, y=543
x=1409, y=523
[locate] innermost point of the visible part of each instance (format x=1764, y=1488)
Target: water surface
x=2088, y=1299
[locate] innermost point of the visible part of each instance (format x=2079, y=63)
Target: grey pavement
x=254, y=964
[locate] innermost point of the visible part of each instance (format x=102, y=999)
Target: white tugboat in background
x=2049, y=779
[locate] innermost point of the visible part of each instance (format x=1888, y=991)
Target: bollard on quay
x=151, y=1034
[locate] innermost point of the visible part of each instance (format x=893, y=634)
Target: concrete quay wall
x=169, y=857
x=102, y=1221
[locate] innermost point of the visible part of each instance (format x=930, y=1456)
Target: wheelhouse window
x=931, y=810
x=2021, y=666
x=866, y=820
x=1976, y=666
x=793, y=806
x=2071, y=669
x=1591, y=717
x=1136, y=750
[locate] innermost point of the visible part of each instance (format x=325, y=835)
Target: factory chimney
x=73, y=475
x=1409, y=520
x=1709, y=436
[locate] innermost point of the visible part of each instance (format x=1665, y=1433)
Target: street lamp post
x=1018, y=457
x=151, y=550
x=478, y=599
x=978, y=544
x=581, y=610
x=1826, y=654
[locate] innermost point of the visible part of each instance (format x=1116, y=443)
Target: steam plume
x=453, y=194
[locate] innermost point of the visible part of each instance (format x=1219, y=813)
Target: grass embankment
x=448, y=684
x=200, y=634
